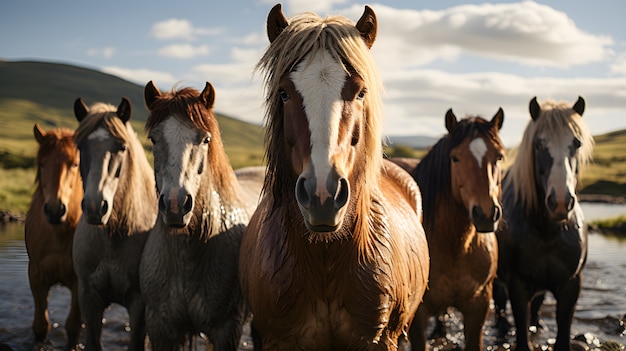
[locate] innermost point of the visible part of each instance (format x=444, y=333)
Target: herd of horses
x=329, y=246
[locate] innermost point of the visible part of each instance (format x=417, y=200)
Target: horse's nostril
x=82, y=205
x=188, y=204
x=62, y=209
x=477, y=213
x=571, y=201
x=302, y=195
x=497, y=212
x=46, y=210
x=551, y=202
x=343, y=193
x=104, y=207
x=162, y=204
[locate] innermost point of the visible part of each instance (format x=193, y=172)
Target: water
x=601, y=305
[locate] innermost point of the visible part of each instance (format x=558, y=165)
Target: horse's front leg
x=226, y=336
x=566, y=298
x=92, y=307
x=474, y=315
x=137, y=315
x=39, y=288
x=520, y=299
x=74, y=320
x=417, y=331
x=500, y=297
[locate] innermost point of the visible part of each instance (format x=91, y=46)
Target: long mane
x=433, y=171
x=307, y=33
x=220, y=188
x=132, y=212
x=556, y=118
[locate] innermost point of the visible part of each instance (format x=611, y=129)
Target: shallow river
x=601, y=306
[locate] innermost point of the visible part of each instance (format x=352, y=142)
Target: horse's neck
x=451, y=226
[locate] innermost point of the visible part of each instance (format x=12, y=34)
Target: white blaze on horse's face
x=478, y=149
x=102, y=158
x=322, y=189
x=556, y=160
x=180, y=159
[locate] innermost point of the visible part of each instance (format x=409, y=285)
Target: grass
x=16, y=189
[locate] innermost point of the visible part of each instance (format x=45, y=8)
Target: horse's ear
x=80, y=109
x=124, y=110
x=40, y=134
x=498, y=119
x=276, y=22
x=150, y=93
x=208, y=95
x=534, y=108
x=451, y=121
x=579, y=106
x=367, y=26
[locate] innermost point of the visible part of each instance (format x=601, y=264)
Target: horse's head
x=475, y=155
x=183, y=130
x=102, y=141
x=57, y=171
x=561, y=142
x=321, y=90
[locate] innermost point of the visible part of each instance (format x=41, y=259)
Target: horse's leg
x=92, y=307
x=256, y=337
x=73, y=321
x=136, y=313
x=474, y=315
x=163, y=337
x=520, y=299
x=500, y=298
x=565, y=304
x=40, y=290
x=226, y=335
x=535, y=305
x=417, y=331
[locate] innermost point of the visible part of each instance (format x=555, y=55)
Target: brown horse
x=335, y=256
x=49, y=229
x=190, y=263
x=460, y=182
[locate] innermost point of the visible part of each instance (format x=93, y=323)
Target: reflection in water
x=600, y=306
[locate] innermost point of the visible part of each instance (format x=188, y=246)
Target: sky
x=471, y=56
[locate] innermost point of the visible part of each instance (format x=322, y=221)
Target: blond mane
x=133, y=213
x=555, y=119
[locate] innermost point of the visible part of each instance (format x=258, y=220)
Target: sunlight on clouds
x=184, y=51
x=140, y=76
x=524, y=32
x=180, y=29
x=106, y=53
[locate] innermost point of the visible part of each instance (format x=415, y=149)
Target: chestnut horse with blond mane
x=335, y=256
x=49, y=228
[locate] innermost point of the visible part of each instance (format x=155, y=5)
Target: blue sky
x=470, y=56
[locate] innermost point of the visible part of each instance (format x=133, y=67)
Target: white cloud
x=106, y=53
x=140, y=76
x=180, y=29
x=619, y=65
x=525, y=32
x=184, y=51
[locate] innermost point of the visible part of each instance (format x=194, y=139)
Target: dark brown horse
x=335, y=256
x=460, y=182
x=189, y=265
x=119, y=208
x=49, y=228
x=543, y=236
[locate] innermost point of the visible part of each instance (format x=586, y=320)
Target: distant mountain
x=416, y=142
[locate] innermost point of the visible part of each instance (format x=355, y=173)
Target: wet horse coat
x=189, y=265
x=49, y=228
x=119, y=208
x=334, y=256
x=460, y=182
x=543, y=237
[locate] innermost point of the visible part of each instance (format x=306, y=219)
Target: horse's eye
x=123, y=148
x=577, y=143
x=151, y=140
x=454, y=159
x=207, y=139
x=283, y=95
x=361, y=95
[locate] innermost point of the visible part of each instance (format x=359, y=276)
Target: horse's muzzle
x=326, y=216
x=176, y=207
x=486, y=223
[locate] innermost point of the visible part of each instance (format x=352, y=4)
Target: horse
x=335, y=256
x=542, y=239
x=119, y=208
x=190, y=262
x=460, y=182
x=49, y=228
